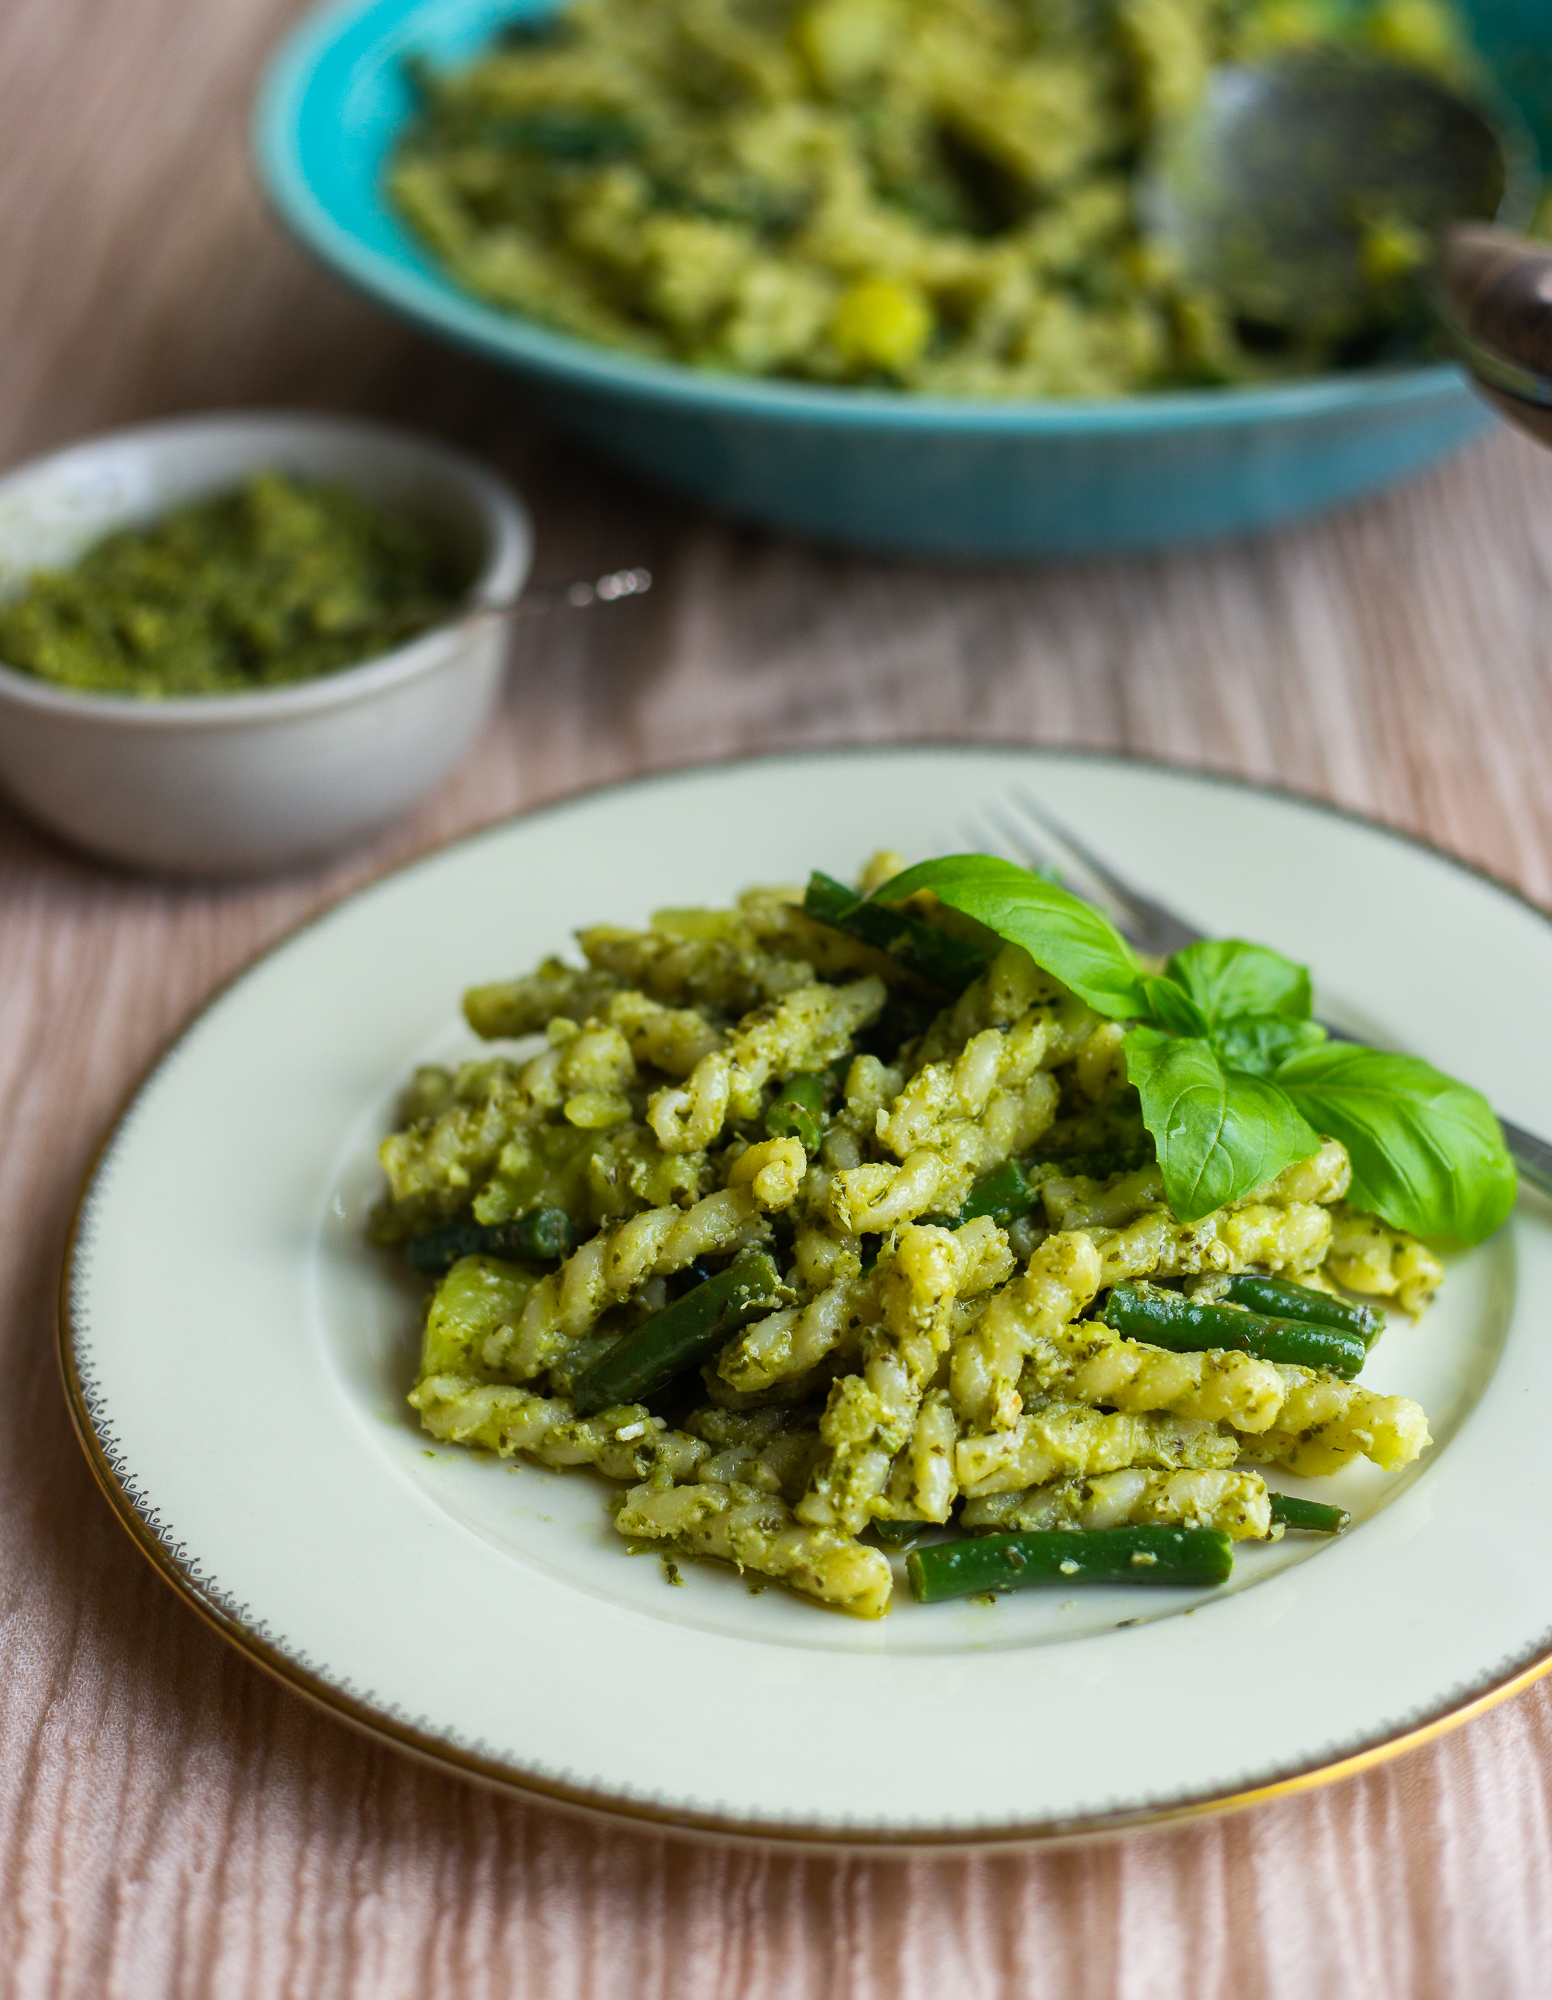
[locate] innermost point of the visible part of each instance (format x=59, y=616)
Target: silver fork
x=1023, y=830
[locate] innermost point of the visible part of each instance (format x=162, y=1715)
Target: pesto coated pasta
x=807, y=1251
x=942, y=196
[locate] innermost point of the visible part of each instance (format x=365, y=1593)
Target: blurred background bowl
x=871, y=469
x=226, y=784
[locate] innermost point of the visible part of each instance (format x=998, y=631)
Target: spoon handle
x=1493, y=291
x=577, y=596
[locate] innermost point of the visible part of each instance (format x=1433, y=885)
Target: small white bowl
x=235, y=784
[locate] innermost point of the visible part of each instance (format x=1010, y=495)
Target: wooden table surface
x=173, y=1823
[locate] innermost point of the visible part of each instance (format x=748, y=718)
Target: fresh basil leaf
x=1059, y=931
x=1427, y=1152
x=1218, y=1132
x=1228, y=978
x=1260, y=1043
x=1171, y=1007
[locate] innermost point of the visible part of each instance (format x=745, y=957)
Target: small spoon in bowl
x=577, y=596
x=523, y=603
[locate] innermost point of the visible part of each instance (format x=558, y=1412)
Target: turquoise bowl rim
x=409, y=282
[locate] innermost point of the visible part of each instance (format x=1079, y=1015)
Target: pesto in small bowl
x=275, y=581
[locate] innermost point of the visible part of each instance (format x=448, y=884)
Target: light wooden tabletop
x=170, y=1821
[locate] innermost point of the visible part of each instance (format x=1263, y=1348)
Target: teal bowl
x=907, y=474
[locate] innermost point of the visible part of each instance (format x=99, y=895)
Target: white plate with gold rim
x=237, y=1362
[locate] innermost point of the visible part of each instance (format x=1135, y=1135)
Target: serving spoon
x=1326, y=197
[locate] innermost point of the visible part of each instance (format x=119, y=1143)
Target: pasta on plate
x=810, y=1257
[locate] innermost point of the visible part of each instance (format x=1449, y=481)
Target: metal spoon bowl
x=1307, y=192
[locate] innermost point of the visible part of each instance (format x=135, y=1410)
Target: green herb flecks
x=277, y=582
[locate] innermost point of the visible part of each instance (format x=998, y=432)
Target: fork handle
x=1532, y=1156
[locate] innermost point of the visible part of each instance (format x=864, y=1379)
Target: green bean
x=899, y=1537
x=1168, y=1319
x=798, y=1111
x=542, y=1236
x=1312, y=1515
x=936, y=956
x=1150, y=1554
x=679, y=1336
x=1003, y=1194
x=1302, y=1302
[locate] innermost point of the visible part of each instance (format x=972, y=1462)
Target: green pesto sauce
x=276, y=582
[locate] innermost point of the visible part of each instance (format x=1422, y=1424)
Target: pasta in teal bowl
x=911, y=471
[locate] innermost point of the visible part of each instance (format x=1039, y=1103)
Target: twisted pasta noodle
x=921, y=1484
x=942, y=1095
x=956, y=1119
x=869, y=1087
x=581, y=1070
x=526, y=1006
x=807, y=1029
x=1367, y=1255
x=772, y=1170
x=611, y=1176
x=565, y=1306
x=1236, y=1502
x=1088, y=1363
x=673, y=1039
x=821, y=1253
x=1270, y=1236
x=776, y=1457
x=780, y=1467
x=870, y=1416
x=1003, y=994
x=1100, y=1060
x=777, y=919
x=755, y=1530
x=1325, y=1424
x=874, y=1197
x=696, y=958
x=1324, y=1177
x=1079, y=1202
x=624, y=1443
x=789, y=1344
x=1062, y=1439
x=1058, y=1283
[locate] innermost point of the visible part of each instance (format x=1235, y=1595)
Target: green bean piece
x=1312, y=1515
x=1003, y=1194
x=679, y=1336
x=938, y=957
x=798, y=1111
x=1152, y=1554
x=542, y=1236
x=1168, y=1319
x=1303, y=1302
x=899, y=1537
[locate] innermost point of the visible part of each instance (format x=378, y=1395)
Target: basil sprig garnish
x=1236, y=1081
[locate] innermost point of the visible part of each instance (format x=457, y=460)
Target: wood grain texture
x=170, y=1821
